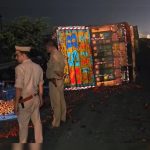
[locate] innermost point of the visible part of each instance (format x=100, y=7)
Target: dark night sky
x=81, y=12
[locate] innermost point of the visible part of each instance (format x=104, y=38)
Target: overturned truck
x=98, y=55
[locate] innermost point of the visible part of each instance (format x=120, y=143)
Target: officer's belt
x=27, y=98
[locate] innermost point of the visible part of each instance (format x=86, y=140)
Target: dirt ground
x=108, y=118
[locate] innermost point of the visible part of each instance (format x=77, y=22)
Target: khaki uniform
x=28, y=77
x=57, y=63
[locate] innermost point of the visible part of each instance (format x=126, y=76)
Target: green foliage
x=23, y=31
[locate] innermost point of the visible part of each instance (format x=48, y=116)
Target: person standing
x=29, y=92
x=55, y=75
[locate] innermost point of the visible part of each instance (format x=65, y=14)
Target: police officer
x=29, y=92
x=55, y=74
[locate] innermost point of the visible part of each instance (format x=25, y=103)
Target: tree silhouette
x=23, y=31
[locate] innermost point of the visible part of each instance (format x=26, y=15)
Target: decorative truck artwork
x=74, y=42
x=98, y=55
x=109, y=47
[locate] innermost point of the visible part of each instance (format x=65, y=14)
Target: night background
x=75, y=12
x=107, y=117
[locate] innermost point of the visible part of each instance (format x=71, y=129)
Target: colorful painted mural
x=109, y=54
x=74, y=42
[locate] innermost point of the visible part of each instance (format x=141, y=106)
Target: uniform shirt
x=55, y=63
x=28, y=77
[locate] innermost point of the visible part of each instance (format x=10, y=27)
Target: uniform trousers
x=58, y=102
x=30, y=111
